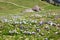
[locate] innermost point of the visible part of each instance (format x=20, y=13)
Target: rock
x=33, y=33
x=51, y=23
x=5, y=20
x=27, y=32
x=33, y=21
x=13, y=31
x=58, y=25
x=20, y=22
x=41, y=23
x=54, y=24
x=38, y=30
x=47, y=28
x=46, y=38
x=56, y=32
x=36, y=8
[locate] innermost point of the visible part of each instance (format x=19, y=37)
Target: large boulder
x=36, y=8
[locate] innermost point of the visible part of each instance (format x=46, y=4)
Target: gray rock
x=51, y=23
x=33, y=33
x=58, y=25
x=36, y=8
x=56, y=32
x=47, y=28
x=38, y=30
x=5, y=20
x=27, y=32
x=46, y=38
x=41, y=22
x=13, y=31
x=20, y=22
x=34, y=21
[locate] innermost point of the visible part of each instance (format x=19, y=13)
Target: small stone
x=46, y=38
x=38, y=30
x=34, y=21
x=58, y=25
x=34, y=33
x=47, y=28
x=5, y=20
x=13, y=31
x=54, y=24
x=56, y=32
x=51, y=23
x=20, y=22
x=27, y=32
x=41, y=22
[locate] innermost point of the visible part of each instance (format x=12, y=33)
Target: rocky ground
x=35, y=22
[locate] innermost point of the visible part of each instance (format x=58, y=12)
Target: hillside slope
x=18, y=25
x=14, y=6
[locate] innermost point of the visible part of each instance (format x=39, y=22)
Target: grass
x=10, y=12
